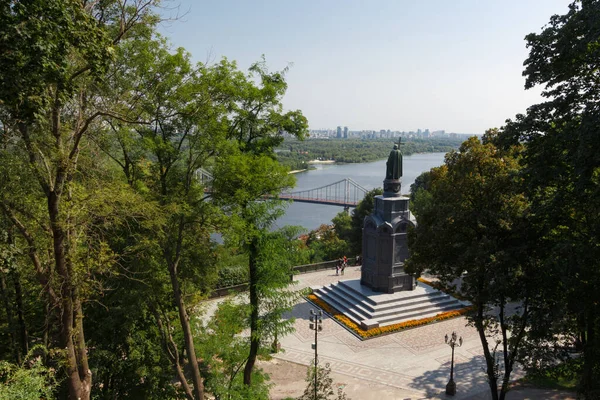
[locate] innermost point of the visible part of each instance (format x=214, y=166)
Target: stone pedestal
x=384, y=247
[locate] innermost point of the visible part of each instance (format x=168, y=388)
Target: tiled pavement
x=415, y=360
x=414, y=363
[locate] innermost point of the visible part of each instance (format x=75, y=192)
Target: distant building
x=339, y=132
x=345, y=132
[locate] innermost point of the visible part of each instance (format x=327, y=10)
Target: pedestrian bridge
x=345, y=193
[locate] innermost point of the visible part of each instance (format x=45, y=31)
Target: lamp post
x=452, y=342
x=316, y=324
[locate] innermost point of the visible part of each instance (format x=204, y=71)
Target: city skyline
x=451, y=65
x=346, y=133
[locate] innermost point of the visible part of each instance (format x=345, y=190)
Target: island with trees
x=297, y=154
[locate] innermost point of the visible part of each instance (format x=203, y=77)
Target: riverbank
x=368, y=175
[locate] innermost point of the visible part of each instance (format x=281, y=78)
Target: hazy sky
x=399, y=65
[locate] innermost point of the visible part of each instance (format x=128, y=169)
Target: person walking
x=344, y=264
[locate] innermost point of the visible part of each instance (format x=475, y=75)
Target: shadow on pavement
x=467, y=376
x=301, y=311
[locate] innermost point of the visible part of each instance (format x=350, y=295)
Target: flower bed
x=374, y=332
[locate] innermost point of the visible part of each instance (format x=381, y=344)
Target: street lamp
x=316, y=324
x=452, y=342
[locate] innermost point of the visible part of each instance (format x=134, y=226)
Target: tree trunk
x=167, y=338
x=23, y=334
x=590, y=384
x=79, y=376
x=254, y=336
x=9, y=319
x=489, y=358
x=187, y=334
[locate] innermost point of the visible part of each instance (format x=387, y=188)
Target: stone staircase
x=370, y=309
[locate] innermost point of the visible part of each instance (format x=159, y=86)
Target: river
x=368, y=175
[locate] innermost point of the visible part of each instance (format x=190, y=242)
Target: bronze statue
x=394, y=164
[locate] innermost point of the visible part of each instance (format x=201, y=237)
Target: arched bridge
x=345, y=193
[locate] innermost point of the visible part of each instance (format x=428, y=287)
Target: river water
x=368, y=175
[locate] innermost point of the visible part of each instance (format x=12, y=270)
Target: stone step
x=353, y=296
x=359, y=298
x=383, y=309
x=349, y=303
x=381, y=302
x=403, y=310
x=400, y=308
x=416, y=308
x=350, y=313
x=426, y=299
x=357, y=293
x=418, y=315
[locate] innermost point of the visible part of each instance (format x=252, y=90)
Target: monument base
x=384, y=246
x=390, y=284
x=370, y=309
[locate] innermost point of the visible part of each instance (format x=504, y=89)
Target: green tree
x=248, y=172
x=561, y=170
x=185, y=119
x=11, y=293
x=28, y=381
x=325, y=244
x=362, y=210
x=226, y=351
x=344, y=237
x=324, y=385
x=54, y=54
x=470, y=233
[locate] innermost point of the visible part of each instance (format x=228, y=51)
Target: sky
x=402, y=65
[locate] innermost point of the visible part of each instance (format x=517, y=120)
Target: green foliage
x=362, y=210
x=342, y=224
x=325, y=244
x=127, y=358
x=231, y=276
x=561, y=167
x=225, y=352
x=324, y=385
x=245, y=173
x=29, y=381
x=344, y=237
x=44, y=43
x=564, y=376
x=471, y=229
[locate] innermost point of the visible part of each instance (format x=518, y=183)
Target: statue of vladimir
x=394, y=164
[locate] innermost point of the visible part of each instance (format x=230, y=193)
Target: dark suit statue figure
x=394, y=164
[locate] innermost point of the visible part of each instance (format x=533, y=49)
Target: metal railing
x=299, y=269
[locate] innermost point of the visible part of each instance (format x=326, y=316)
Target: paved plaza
x=414, y=364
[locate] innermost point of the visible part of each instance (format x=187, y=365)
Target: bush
x=30, y=381
x=231, y=276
